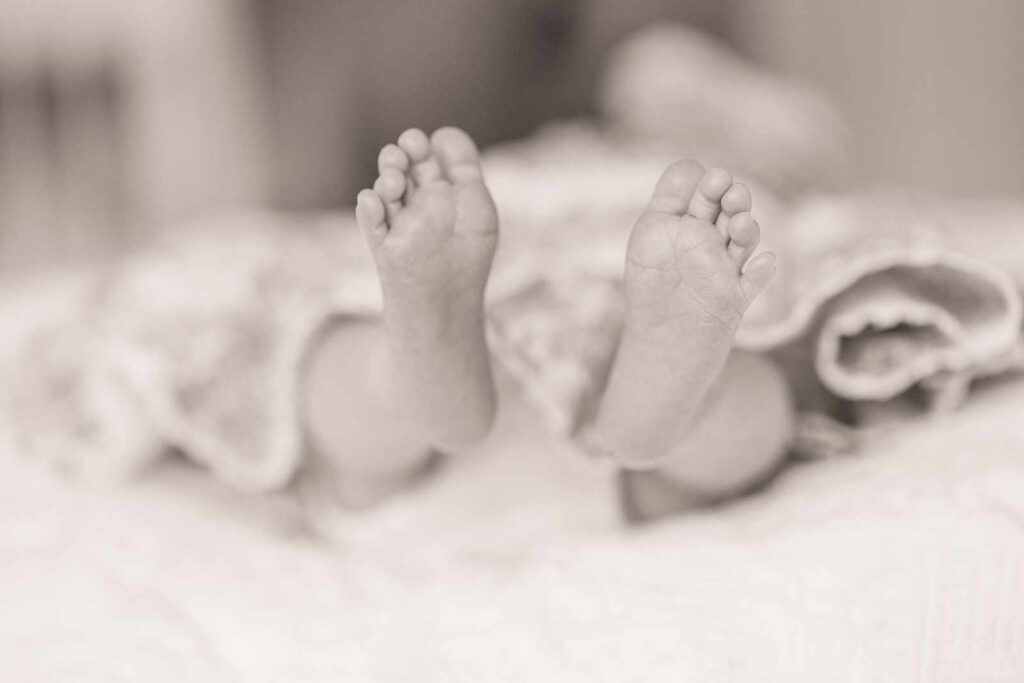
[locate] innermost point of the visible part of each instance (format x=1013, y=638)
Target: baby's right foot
x=688, y=284
x=432, y=228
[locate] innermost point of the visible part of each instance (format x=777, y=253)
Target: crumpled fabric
x=194, y=345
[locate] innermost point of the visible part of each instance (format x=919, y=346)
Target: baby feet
x=685, y=266
x=429, y=219
x=688, y=283
x=432, y=228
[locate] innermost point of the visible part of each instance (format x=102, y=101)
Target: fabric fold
x=884, y=303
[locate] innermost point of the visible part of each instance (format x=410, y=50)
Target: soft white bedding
x=906, y=564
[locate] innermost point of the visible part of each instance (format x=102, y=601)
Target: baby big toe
x=457, y=153
x=675, y=187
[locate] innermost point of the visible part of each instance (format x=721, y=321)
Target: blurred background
x=121, y=116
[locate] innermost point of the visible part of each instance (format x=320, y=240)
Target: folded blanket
x=69, y=405
x=872, y=296
x=192, y=345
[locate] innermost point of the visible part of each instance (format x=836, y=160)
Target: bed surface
x=905, y=564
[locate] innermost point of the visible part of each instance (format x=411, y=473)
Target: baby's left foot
x=688, y=284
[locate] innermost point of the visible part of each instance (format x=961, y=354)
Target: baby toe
x=415, y=143
x=757, y=276
x=390, y=185
x=744, y=235
x=676, y=186
x=370, y=216
x=425, y=167
x=457, y=153
x=392, y=156
x=736, y=200
x=427, y=171
x=705, y=205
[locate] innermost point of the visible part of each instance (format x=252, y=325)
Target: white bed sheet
x=906, y=564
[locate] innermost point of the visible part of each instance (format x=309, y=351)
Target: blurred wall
x=933, y=89
x=119, y=115
x=348, y=77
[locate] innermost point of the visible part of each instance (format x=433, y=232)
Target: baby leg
x=432, y=228
x=361, y=444
x=672, y=404
x=739, y=440
x=379, y=396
